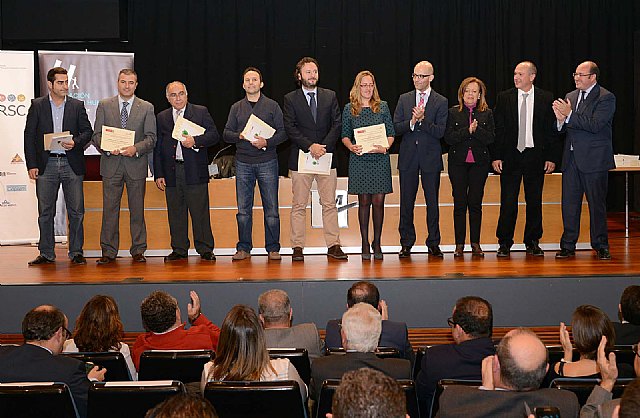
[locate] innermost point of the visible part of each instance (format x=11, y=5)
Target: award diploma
x=307, y=164
x=116, y=138
x=53, y=142
x=369, y=136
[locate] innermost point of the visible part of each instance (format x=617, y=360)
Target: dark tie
x=124, y=116
x=522, y=128
x=313, y=105
x=582, y=94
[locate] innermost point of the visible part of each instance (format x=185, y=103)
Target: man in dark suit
x=586, y=115
x=471, y=328
x=628, y=329
x=180, y=169
x=128, y=165
x=421, y=119
x=394, y=334
x=56, y=112
x=313, y=123
x=524, y=151
x=45, y=330
x=360, y=332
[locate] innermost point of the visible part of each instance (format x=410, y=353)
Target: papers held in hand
x=53, y=142
x=307, y=164
x=116, y=138
x=369, y=136
x=186, y=127
x=256, y=127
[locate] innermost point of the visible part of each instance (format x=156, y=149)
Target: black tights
x=364, y=203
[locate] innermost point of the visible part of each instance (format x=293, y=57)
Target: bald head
x=523, y=360
x=422, y=75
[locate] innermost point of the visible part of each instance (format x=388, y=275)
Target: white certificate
x=308, y=164
x=368, y=136
x=116, y=138
x=185, y=127
x=53, y=142
x=256, y=127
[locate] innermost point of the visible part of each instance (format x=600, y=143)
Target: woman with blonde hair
x=470, y=129
x=370, y=172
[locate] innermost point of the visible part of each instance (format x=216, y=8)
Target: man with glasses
x=421, y=118
x=180, y=169
x=586, y=116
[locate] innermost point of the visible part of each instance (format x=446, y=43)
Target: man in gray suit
x=127, y=165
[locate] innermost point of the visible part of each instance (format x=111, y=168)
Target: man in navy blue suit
x=180, y=169
x=586, y=115
x=421, y=118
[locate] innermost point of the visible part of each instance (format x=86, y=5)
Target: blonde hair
x=354, y=94
x=482, y=101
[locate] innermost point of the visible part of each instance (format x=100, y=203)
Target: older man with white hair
x=361, y=327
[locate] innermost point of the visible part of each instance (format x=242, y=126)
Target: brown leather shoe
x=240, y=255
x=139, y=258
x=476, y=251
x=105, y=260
x=274, y=256
x=336, y=252
x=298, y=255
x=459, y=251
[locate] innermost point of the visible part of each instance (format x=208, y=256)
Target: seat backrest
x=442, y=386
x=417, y=366
x=381, y=352
x=556, y=353
x=36, y=399
x=279, y=399
x=113, y=361
x=624, y=354
x=183, y=365
x=299, y=357
x=582, y=387
x=129, y=399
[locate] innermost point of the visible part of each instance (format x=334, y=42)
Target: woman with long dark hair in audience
x=98, y=329
x=470, y=129
x=242, y=353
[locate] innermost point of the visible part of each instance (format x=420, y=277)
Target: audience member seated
x=471, y=328
x=368, y=393
x=44, y=329
x=628, y=329
x=99, y=328
x=361, y=327
x=166, y=331
x=394, y=334
x=276, y=316
x=183, y=405
x=242, y=353
x=510, y=378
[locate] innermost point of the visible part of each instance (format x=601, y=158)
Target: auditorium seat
x=279, y=399
x=442, y=386
x=556, y=352
x=31, y=399
x=183, y=365
x=582, y=387
x=299, y=357
x=113, y=361
x=382, y=352
x=417, y=366
x=129, y=399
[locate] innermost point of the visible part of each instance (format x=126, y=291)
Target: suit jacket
x=470, y=402
x=298, y=336
x=335, y=365
x=40, y=122
x=303, y=131
x=31, y=363
x=421, y=148
x=142, y=120
x=451, y=361
x=545, y=133
x=599, y=404
x=394, y=334
x=626, y=334
x=195, y=162
x=457, y=135
x=589, y=130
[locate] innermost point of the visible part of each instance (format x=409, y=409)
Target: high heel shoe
x=476, y=251
x=366, y=252
x=377, y=251
x=459, y=251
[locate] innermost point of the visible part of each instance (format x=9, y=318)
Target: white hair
x=362, y=325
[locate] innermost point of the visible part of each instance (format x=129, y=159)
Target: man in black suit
x=628, y=329
x=421, y=119
x=586, y=115
x=45, y=330
x=524, y=151
x=313, y=123
x=180, y=169
x=64, y=164
x=360, y=332
x=394, y=334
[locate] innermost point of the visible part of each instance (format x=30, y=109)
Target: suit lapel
x=48, y=119
x=134, y=113
x=66, y=115
x=513, y=104
x=115, y=112
x=591, y=97
x=302, y=104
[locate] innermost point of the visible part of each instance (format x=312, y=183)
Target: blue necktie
x=313, y=105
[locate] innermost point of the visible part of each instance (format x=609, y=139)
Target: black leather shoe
x=78, y=259
x=476, y=251
x=565, y=253
x=208, y=257
x=405, y=252
x=434, y=251
x=40, y=260
x=139, y=258
x=174, y=256
x=298, y=255
x=335, y=251
x=534, y=249
x=105, y=260
x=503, y=251
x=603, y=254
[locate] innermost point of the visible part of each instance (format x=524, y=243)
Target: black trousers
x=467, y=184
x=408, y=192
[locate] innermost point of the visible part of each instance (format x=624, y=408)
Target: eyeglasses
x=67, y=333
x=362, y=86
x=451, y=323
x=420, y=76
x=582, y=75
x=634, y=348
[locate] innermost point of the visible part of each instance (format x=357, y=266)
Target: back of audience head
x=159, y=311
x=45, y=323
x=274, y=308
x=363, y=291
x=588, y=325
x=98, y=327
x=523, y=361
x=629, y=307
x=368, y=393
x=183, y=405
x=474, y=316
x=361, y=328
